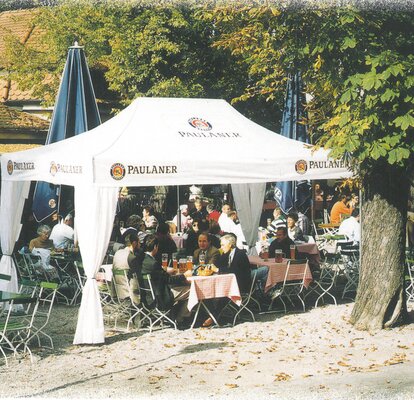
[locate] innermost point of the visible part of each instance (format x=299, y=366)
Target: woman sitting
x=42, y=246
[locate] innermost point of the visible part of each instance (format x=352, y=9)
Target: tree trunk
x=380, y=300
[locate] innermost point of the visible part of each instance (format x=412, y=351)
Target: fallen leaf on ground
x=231, y=385
x=282, y=377
x=343, y=364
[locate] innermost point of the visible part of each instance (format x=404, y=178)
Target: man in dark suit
x=211, y=254
x=166, y=296
x=233, y=260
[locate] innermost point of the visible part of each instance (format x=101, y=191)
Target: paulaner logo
x=19, y=166
x=64, y=169
x=117, y=171
x=301, y=167
x=10, y=167
x=200, y=124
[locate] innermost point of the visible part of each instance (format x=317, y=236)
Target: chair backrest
x=146, y=289
x=80, y=272
x=296, y=272
x=309, y=239
x=326, y=216
x=120, y=282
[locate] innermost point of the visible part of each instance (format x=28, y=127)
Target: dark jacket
x=166, y=245
x=240, y=266
x=284, y=245
x=160, y=281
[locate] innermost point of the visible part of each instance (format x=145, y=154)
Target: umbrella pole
x=178, y=210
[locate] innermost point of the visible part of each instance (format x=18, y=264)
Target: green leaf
x=369, y=80
x=404, y=121
x=348, y=43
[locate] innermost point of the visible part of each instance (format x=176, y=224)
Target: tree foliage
x=357, y=64
x=139, y=49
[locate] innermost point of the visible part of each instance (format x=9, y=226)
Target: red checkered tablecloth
x=214, y=286
x=277, y=271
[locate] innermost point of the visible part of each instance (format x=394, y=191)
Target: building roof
x=20, y=24
x=20, y=127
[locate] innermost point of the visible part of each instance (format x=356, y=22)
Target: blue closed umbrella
x=294, y=194
x=75, y=112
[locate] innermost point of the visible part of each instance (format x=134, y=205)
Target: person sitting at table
x=191, y=243
x=237, y=230
x=171, y=291
x=340, y=208
x=224, y=221
x=278, y=220
x=354, y=201
x=200, y=211
x=63, y=234
x=42, y=246
x=213, y=214
x=294, y=232
x=185, y=219
x=132, y=225
x=281, y=242
x=149, y=219
x=211, y=253
x=351, y=228
x=166, y=244
x=129, y=258
x=233, y=260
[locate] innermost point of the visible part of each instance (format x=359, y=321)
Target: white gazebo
x=154, y=141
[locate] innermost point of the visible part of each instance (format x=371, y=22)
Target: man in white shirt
x=350, y=227
x=224, y=221
x=236, y=228
x=185, y=219
x=63, y=233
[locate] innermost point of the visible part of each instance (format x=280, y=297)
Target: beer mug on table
x=182, y=265
x=202, y=259
x=292, y=251
x=164, y=260
x=278, y=255
x=189, y=263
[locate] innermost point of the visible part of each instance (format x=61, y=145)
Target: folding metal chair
x=47, y=295
x=409, y=289
x=120, y=283
x=153, y=309
x=247, y=300
x=15, y=327
x=350, y=265
x=323, y=285
x=107, y=296
x=293, y=283
x=137, y=310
